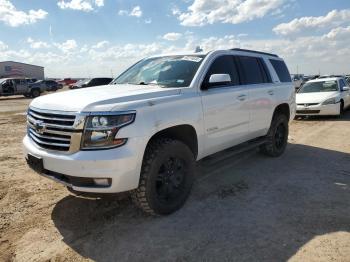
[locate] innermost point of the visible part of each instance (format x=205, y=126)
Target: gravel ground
x=244, y=207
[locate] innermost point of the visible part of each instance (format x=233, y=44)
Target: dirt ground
x=243, y=207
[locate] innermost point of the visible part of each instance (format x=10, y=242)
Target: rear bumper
x=332, y=109
x=121, y=165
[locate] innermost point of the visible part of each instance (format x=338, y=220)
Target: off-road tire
x=35, y=93
x=271, y=147
x=341, y=110
x=157, y=153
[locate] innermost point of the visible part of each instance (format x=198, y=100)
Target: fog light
x=102, y=182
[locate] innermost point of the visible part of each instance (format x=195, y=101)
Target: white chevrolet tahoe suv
x=143, y=132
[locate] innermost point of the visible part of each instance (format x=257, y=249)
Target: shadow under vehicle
x=239, y=211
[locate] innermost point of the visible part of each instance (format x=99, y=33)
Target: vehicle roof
x=326, y=79
x=238, y=50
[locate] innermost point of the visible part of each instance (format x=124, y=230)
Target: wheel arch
x=282, y=109
x=185, y=133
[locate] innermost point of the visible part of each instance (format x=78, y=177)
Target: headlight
x=100, y=131
x=329, y=101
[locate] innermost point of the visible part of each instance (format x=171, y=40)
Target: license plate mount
x=35, y=163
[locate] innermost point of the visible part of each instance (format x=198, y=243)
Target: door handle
x=241, y=97
x=270, y=92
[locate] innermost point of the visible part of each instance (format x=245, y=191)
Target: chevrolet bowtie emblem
x=40, y=126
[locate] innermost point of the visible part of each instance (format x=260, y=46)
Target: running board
x=232, y=151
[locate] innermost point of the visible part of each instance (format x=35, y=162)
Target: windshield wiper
x=140, y=83
x=143, y=83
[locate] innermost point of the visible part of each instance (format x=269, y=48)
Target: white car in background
x=326, y=96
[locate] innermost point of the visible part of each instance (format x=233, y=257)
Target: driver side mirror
x=217, y=80
x=346, y=88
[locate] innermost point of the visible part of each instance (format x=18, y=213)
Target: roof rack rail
x=253, y=51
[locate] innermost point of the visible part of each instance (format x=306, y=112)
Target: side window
x=222, y=65
x=17, y=81
x=281, y=70
x=103, y=81
x=106, y=81
x=252, y=70
x=341, y=84
x=99, y=81
x=92, y=82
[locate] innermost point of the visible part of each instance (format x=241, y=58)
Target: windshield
x=169, y=71
x=321, y=86
x=82, y=82
x=85, y=81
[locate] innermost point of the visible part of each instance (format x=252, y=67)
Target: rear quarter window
x=281, y=70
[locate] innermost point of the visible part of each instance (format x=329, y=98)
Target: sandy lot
x=243, y=207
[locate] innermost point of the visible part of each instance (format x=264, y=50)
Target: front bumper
x=121, y=165
x=326, y=110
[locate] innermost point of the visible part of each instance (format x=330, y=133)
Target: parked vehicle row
x=67, y=81
x=48, y=85
x=98, y=81
x=26, y=86
x=19, y=86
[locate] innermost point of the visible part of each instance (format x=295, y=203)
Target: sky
x=90, y=38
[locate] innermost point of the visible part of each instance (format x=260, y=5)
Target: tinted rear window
x=253, y=70
x=281, y=70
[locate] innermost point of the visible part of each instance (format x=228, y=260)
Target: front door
x=225, y=108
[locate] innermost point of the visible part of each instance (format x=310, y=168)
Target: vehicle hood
x=308, y=98
x=102, y=98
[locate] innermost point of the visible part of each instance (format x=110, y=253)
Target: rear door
x=225, y=107
x=257, y=80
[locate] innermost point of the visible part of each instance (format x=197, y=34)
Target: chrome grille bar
x=49, y=136
x=41, y=142
x=55, y=130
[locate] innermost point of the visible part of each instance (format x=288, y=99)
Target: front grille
x=308, y=111
x=55, y=119
x=310, y=104
x=54, y=130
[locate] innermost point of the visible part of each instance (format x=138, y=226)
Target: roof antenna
x=198, y=49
